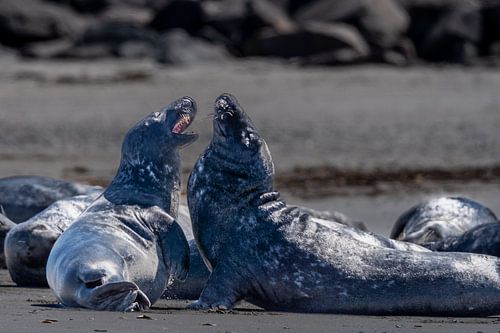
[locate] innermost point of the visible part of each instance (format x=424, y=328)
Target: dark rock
x=240, y=20
x=85, y=6
x=26, y=21
x=114, y=40
x=382, y=22
x=89, y=6
x=343, y=56
x=99, y=6
x=154, y=5
x=6, y=52
x=490, y=13
x=221, y=10
x=319, y=43
x=495, y=49
x=444, y=30
x=46, y=50
x=127, y=14
x=270, y=15
x=228, y=19
x=183, y=14
x=178, y=47
x=329, y=11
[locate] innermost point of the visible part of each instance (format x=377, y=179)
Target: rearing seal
x=121, y=252
x=268, y=253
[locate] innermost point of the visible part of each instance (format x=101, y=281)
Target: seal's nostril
x=222, y=103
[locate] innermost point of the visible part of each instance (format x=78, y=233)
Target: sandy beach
x=393, y=136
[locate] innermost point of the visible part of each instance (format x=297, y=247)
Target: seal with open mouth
x=122, y=251
x=268, y=253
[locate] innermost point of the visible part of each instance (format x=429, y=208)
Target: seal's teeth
x=182, y=124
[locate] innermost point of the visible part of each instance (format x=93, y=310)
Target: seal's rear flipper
x=175, y=250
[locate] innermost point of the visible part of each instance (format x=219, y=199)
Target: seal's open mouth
x=182, y=124
x=184, y=114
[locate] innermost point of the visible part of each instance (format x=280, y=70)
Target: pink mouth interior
x=182, y=124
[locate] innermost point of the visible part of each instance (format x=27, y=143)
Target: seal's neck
x=148, y=183
x=240, y=176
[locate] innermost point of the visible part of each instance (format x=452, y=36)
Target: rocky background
x=317, y=32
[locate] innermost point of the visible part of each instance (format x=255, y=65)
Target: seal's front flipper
x=221, y=290
x=5, y=226
x=175, y=250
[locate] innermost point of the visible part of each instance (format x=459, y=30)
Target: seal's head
x=235, y=131
x=101, y=283
x=160, y=133
x=150, y=161
x=27, y=247
x=233, y=127
x=236, y=143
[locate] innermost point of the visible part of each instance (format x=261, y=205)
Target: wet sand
x=36, y=310
x=68, y=120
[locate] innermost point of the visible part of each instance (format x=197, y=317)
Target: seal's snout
x=226, y=106
x=185, y=112
x=180, y=117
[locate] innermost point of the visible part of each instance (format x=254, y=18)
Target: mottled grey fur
x=28, y=244
x=272, y=255
x=482, y=239
x=121, y=253
x=438, y=219
x=21, y=197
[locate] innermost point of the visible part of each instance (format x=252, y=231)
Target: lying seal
x=482, y=239
x=5, y=226
x=261, y=250
x=437, y=219
x=28, y=244
x=121, y=252
x=21, y=197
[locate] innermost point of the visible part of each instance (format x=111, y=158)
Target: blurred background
x=367, y=106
